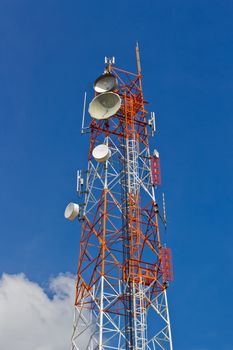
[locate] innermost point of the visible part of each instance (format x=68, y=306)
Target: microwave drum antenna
x=101, y=153
x=71, y=211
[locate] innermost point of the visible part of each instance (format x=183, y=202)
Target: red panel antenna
x=155, y=169
x=166, y=263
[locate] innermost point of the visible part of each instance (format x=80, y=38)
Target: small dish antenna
x=105, y=83
x=156, y=153
x=71, y=211
x=104, y=105
x=101, y=153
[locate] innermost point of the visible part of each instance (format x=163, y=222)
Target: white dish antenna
x=156, y=153
x=101, y=153
x=104, y=105
x=71, y=211
x=105, y=83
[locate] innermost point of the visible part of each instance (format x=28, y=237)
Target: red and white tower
x=123, y=267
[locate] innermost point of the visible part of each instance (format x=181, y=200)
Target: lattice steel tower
x=123, y=268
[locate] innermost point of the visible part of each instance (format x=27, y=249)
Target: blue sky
x=51, y=52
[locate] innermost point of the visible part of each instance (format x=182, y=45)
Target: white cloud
x=29, y=319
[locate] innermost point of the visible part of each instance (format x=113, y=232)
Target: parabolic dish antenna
x=104, y=83
x=156, y=153
x=71, y=211
x=101, y=153
x=104, y=105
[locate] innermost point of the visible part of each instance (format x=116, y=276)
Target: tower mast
x=123, y=268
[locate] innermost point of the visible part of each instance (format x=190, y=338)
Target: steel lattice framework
x=123, y=269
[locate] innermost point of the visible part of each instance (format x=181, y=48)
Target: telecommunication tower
x=123, y=268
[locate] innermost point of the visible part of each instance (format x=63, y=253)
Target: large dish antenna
x=104, y=105
x=105, y=83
